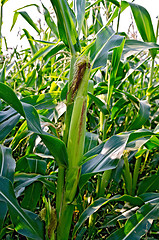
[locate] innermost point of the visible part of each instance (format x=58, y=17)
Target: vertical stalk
x=104, y=182
x=146, y=158
x=102, y=116
x=157, y=29
x=60, y=191
x=105, y=128
x=62, y=210
x=136, y=174
x=127, y=176
x=98, y=185
x=141, y=85
x=48, y=214
x=118, y=20
x=1, y=21
x=91, y=222
x=101, y=122
x=64, y=225
x=106, y=117
x=76, y=136
x=150, y=80
x=152, y=67
x=77, y=98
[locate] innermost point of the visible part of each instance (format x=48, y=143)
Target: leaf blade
x=24, y=224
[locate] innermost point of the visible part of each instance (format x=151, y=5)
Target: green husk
x=77, y=94
x=75, y=145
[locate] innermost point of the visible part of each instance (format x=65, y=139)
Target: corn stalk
x=69, y=177
x=1, y=16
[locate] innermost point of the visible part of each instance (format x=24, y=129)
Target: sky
x=13, y=37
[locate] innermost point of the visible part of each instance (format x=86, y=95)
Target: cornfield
x=79, y=125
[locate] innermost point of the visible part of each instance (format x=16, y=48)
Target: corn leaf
x=41, y=52
x=3, y=73
x=96, y=150
x=89, y=211
x=139, y=138
x=16, y=14
x=53, y=51
x=26, y=16
x=137, y=225
x=97, y=20
x=30, y=39
x=144, y=24
x=150, y=197
x=32, y=118
x=109, y=156
x=97, y=204
x=7, y=94
x=3, y=212
x=118, y=106
x=23, y=180
x=57, y=148
x=42, y=101
x=26, y=224
x=32, y=196
x=91, y=5
x=3, y=2
x=20, y=135
x=152, y=143
x=140, y=134
x=66, y=24
x=7, y=163
x=45, y=52
x=123, y=6
x=8, y=120
x=50, y=22
x=79, y=9
x=115, y=2
x=105, y=41
x=133, y=46
x=149, y=184
x=123, y=216
x=32, y=165
x=91, y=141
x=99, y=103
x=142, y=117
x=55, y=145
x=117, y=52
x=133, y=69
x=106, y=155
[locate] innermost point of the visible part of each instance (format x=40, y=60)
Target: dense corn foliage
x=79, y=126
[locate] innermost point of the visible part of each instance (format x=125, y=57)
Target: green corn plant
x=48, y=214
x=145, y=28
x=1, y=22
x=1, y=16
x=58, y=149
x=75, y=146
